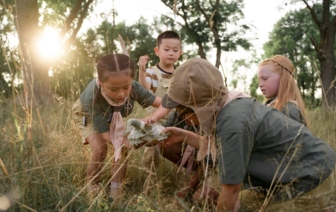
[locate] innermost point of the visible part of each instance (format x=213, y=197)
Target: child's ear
x=156, y=50
x=181, y=52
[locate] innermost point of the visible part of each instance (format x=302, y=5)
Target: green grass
x=43, y=163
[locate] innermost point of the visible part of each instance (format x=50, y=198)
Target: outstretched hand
x=176, y=135
x=149, y=120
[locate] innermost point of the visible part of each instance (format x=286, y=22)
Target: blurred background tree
x=323, y=15
x=30, y=18
x=212, y=25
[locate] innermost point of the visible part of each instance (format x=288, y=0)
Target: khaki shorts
x=85, y=129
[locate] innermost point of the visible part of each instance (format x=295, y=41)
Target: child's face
x=118, y=86
x=268, y=81
x=169, y=51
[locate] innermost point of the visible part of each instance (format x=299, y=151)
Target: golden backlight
x=50, y=46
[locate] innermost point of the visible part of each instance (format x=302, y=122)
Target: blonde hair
x=288, y=89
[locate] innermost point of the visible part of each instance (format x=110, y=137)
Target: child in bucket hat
x=277, y=83
x=254, y=145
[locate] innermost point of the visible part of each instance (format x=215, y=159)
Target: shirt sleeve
x=144, y=97
x=150, y=79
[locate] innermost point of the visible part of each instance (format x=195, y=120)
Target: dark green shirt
x=257, y=143
x=292, y=111
x=100, y=111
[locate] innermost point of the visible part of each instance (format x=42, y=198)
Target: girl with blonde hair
x=277, y=83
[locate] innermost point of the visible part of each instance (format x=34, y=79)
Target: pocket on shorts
x=85, y=127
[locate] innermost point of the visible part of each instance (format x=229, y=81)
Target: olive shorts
x=82, y=121
x=314, y=200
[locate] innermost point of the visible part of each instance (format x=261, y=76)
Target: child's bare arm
x=181, y=135
x=142, y=72
x=159, y=113
x=157, y=102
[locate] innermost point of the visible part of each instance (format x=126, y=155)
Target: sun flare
x=50, y=46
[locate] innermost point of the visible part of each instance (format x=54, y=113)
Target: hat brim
x=168, y=102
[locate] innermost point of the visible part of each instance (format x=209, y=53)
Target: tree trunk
x=325, y=51
x=327, y=61
x=35, y=70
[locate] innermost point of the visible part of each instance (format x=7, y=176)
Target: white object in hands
x=138, y=133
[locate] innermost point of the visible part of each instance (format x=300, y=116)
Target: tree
x=290, y=37
x=8, y=70
x=211, y=24
x=325, y=22
x=138, y=39
x=29, y=29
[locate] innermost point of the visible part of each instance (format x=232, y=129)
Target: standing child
x=257, y=146
x=156, y=79
x=277, y=83
x=99, y=113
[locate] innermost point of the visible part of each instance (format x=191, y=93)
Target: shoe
x=115, y=192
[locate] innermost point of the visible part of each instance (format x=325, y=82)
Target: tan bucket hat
x=198, y=85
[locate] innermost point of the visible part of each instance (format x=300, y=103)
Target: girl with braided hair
x=277, y=83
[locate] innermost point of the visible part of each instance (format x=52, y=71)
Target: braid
x=282, y=65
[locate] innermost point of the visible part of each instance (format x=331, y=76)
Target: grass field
x=43, y=163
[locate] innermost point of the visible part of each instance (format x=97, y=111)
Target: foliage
x=79, y=67
x=254, y=86
x=70, y=77
x=8, y=54
x=30, y=17
x=324, y=16
x=211, y=24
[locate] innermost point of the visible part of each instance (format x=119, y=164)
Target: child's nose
x=260, y=84
x=121, y=93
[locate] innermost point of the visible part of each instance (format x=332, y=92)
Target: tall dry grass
x=43, y=163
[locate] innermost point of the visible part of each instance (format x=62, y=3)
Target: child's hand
x=149, y=120
x=176, y=135
x=143, y=62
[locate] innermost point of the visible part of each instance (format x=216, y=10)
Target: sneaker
x=115, y=193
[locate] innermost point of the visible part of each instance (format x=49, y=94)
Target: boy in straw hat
x=256, y=146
